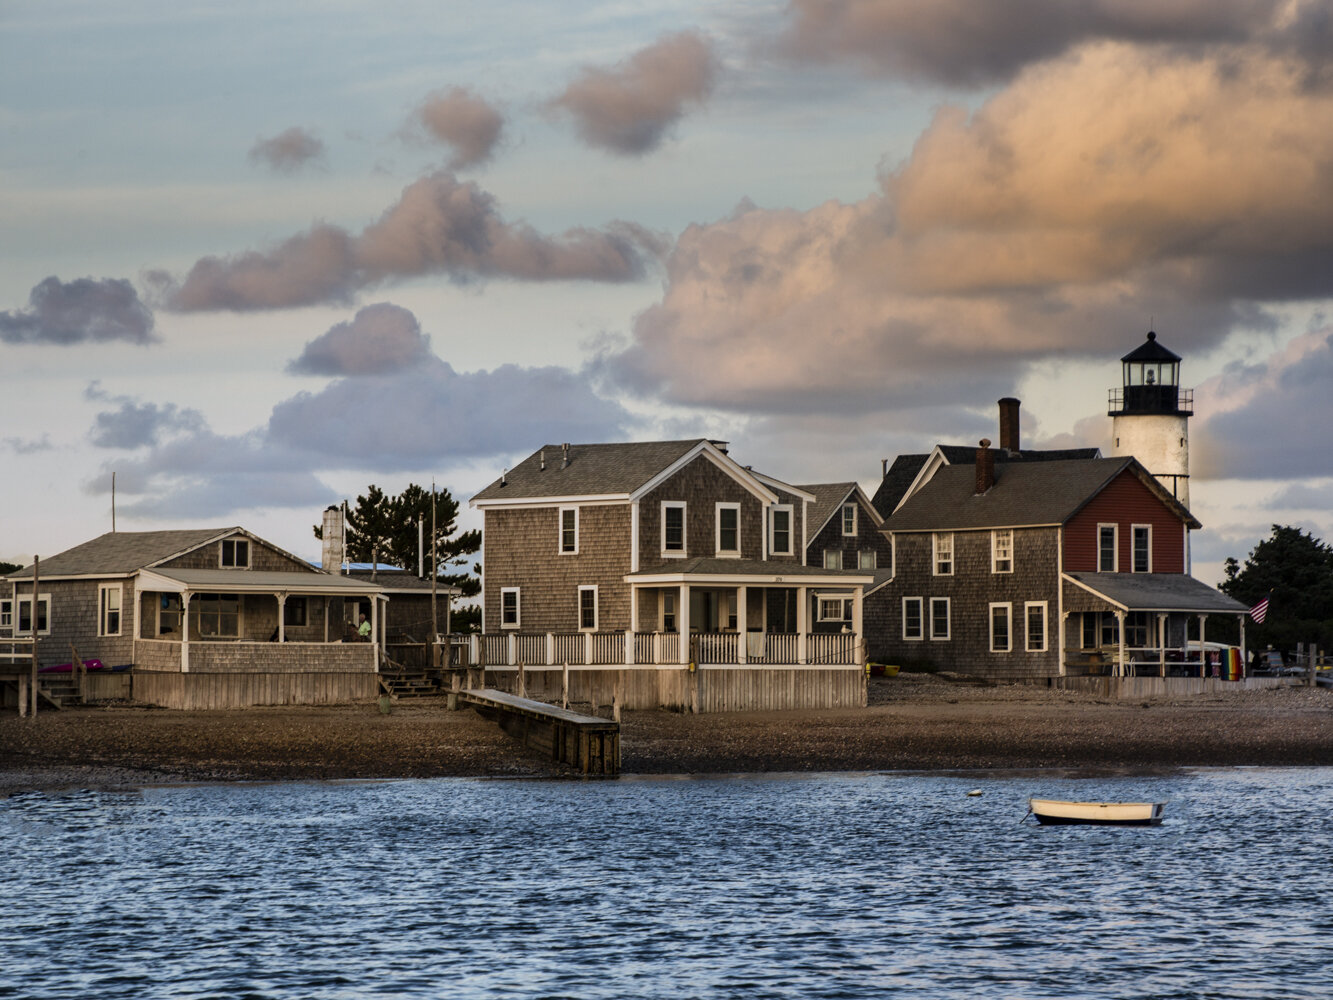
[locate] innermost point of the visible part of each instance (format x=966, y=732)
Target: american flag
x=1260, y=611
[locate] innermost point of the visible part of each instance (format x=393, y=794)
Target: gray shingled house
x=845, y=533
x=613, y=555
x=211, y=617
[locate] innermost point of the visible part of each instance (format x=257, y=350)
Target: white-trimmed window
x=1002, y=550
x=295, y=612
x=169, y=614
x=727, y=518
x=216, y=615
x=588, y=609
x=834, y=609
x=1035, y=613
x=867, y=559
x=1142, y=535
x=780, y=530
x=849, y=519
x=943, y=553
x=939, y=618
x=1108, y=548
x=673, y=527
x=1091, y=638
x=109, y=596
x=913, y=625
x=6, y=614
x=1001, y=628
x=569, y=531
x=669, y=598
x=235, y=553
x=25, y=615
x=833, y=558
x=510, y=607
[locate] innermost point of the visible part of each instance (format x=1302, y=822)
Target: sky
x=257, y=256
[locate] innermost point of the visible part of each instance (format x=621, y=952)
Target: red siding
x=1125, y=502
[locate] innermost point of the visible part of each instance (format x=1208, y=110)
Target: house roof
x=593, y=470
x=1025, y=493
x=828, y=498
x=1157, y=592
x=124, y=552
x=240, y=581
x=401, y=581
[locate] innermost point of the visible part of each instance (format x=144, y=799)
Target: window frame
x=1114, y=529
x=843, y=614
x=197, y=611
x=1028, y=608
x=936, y=560
x=43, y=609
x=560, y=531
x=920, y=635
x=518, y=607
x=833, y=558
x=676, y=553
x=948, y=619
x=104, y=611
x=849, y=508
x=718, y=509
x=672, y=614
x=237, y=544
x=790, y=511
x=6, y=613
x=289, y=606
x=588, y=589
x=1008, y=609
x=861, y=559
x=1134, y=530
x=995, y=557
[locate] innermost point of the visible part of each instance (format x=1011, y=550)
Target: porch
x=656, y=649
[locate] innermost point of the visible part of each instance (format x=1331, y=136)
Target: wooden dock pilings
x=584, y=742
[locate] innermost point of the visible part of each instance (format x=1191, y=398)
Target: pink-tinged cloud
x=1245, y=429
x=86, y=310
x=464, y=122
x=970, y=43
x=288, y=151
x=440, y=226
x=380, y=339
x=1094, y=192
x=630, y=107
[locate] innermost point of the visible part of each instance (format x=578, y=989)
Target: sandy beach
x=913, y=722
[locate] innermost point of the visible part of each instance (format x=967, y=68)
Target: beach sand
x=913, y=722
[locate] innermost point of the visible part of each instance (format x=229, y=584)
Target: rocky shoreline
x=913, y=722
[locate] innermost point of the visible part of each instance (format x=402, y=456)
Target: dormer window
x=236, y=553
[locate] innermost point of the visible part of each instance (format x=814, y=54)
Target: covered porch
x=219, y=621
x=1144, y=625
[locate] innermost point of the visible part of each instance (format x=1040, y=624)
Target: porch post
x=742, y=622
x=282, y=616
x=511, y=642
x=375, y=629
x=550, y=649
x=1203, y=650
x=185, y=631
x=857, y=629
x=802, y=625
x=327, y=602
x=633, y=624
x=1161, y=642
x=1120, y=627
x=684, y=616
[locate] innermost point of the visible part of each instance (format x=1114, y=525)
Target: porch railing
x=509, y=649
x=1146, y=661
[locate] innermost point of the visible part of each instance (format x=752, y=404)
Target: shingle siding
x=263, y=558
x=75, y=620
x=830, y=537
x=701, y=485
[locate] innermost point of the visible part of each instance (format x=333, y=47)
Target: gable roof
x=124, y=552
x=829, y=497
x=1024, y=494
x=605, y=471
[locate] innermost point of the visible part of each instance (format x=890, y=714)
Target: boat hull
x=1054, y=812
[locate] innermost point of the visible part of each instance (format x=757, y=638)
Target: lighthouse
x=1150, y=416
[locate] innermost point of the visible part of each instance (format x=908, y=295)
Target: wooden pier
x=584, y=742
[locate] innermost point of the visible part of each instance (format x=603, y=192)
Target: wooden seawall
x=584, y=742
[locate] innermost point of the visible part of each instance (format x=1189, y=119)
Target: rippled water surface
x=819, y=886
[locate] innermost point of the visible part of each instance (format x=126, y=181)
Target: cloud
x=80, y=311
x=1250, y=433
x=440, y=226
x=1309, y=495
x=629, y=108
x=463, y=121
x=136, y=425
x=1095, y=191
x=28, y=446
x=969, y=44
x=416, y=420
x=288, y=151
x=382, y=338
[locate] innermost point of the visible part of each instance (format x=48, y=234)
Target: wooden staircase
x=401, y=681
x=58, y=690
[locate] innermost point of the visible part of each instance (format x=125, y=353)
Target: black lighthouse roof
x=1150, y=351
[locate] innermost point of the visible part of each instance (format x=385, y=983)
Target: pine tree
x=1297, y=569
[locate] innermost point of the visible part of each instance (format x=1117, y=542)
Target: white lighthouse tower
x=1150, y=416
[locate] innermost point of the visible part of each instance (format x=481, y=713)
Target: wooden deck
x=585, y=742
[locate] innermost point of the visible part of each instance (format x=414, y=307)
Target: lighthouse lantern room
x=1150, y=414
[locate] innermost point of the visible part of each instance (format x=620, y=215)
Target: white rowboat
x=1054, y=812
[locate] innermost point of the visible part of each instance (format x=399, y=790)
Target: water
x=810, y=886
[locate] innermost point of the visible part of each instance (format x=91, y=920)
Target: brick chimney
x=985, y=467
x=1009, y=424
